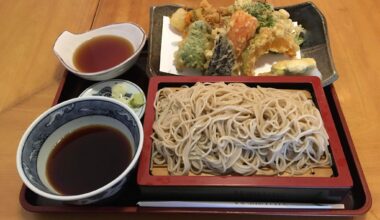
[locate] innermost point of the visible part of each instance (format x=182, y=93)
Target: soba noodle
x=220, y=129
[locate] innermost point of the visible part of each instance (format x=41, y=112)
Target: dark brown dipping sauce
x=101, y=53
x=87, y=159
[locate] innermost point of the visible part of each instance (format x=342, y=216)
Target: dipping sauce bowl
x=68, y=43
x=51, y=127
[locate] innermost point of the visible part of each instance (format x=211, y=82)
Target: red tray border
x=134, y=209
x=343, y=179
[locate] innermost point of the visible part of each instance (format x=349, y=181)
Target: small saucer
x=105, y=89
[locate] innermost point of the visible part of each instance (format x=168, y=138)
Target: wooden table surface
x=30, y=74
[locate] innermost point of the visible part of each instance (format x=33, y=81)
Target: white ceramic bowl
x=67, y=43
x=51, y=126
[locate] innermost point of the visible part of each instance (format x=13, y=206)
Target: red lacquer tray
x=241, y=188
x=358, y=200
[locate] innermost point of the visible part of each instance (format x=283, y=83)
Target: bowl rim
x=127, y=170
x=105, y=71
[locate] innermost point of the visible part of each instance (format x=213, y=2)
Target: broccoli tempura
x=191, y=52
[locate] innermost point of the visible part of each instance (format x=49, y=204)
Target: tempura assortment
x=229, y=40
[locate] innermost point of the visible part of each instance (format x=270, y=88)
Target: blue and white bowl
x=51, y=126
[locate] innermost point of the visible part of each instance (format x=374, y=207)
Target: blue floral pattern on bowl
x=62, y=115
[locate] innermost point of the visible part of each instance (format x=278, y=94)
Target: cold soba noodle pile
x=220, y=129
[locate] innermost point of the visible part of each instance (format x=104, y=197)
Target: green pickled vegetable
x=137, y=100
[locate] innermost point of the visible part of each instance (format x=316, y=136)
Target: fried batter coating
x=191, y=52
x=242, y=28
x=261, y=10
x=294, y=67
x=252, y=28
x=209, y=13
x=180, y=20
x=223, y=59
x=258, y=46
x=283, y=37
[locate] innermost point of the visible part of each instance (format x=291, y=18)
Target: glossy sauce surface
x=101, y=53
x=87, y=159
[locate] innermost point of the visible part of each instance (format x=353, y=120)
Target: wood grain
x=29, y=29
x=132, y=12
x=28, y=32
